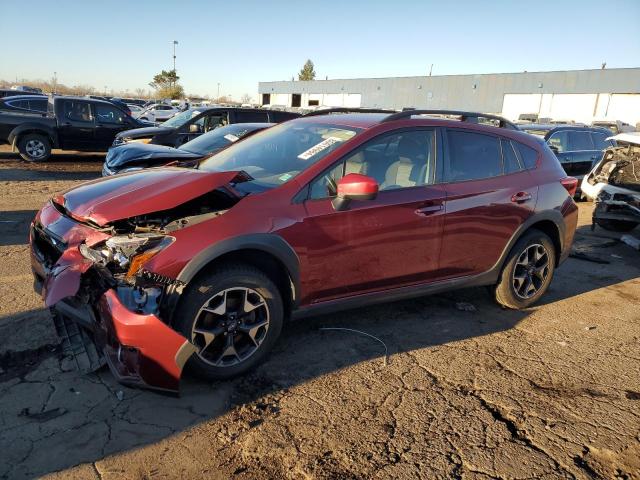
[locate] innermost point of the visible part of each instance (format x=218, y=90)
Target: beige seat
x=411, y=167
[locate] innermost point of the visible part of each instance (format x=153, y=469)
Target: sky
x=121, y=44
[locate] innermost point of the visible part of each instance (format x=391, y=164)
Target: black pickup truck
x=70, y=123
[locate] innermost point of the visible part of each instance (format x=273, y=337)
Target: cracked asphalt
x=469, y=392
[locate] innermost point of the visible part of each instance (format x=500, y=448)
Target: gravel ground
x=470, y=390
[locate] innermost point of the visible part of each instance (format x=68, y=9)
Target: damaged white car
x=614, y=185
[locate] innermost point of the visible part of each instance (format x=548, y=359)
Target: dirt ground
x=470, y=390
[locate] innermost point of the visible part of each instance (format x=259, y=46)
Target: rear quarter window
x=528, y=155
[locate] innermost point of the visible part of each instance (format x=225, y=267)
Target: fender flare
x=33, y=127
x=553, y=216
x=266, y=242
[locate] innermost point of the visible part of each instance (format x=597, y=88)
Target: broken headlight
x=128, y=252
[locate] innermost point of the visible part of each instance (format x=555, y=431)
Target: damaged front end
x=107, y=308
x=614, y=185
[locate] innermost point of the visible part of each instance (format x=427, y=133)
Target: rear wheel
x=527, y=272
x=616, y=225
x=34, y=147
x=234, y=316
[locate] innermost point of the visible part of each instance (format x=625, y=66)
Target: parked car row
x=87, y=124
x=165, y=266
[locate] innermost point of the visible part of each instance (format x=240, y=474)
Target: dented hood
x=128, y=195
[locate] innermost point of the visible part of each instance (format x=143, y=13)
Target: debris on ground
x=580, y=255
x=120, y=395
x=466, y=307
x=632, y=241
x=386, y=351
x=43, y=416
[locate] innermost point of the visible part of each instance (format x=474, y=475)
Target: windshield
x=181, y=118
x=219, y=138
x=276, y=155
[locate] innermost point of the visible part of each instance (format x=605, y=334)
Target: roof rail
x=464, y=116
x=347, y=110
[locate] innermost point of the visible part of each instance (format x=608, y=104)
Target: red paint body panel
x=481, y=219
x=157, y=345
x=137, y=193
x=373, y=245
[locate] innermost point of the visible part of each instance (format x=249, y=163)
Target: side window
x=77, y=111
x=250, y=116
x=600, y=140
x=472, y=156
x=580, y=141
x=107, y=114
x=560, y=141
x=211, y=122
x=397, y=160
x=528, y=155
x=509, y=158
x=39, y=105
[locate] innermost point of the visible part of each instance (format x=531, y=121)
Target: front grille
x=46, y=246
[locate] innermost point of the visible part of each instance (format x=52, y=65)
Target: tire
x=34, y=147
x=212, y=331
x=525, y=277
x=616, y=225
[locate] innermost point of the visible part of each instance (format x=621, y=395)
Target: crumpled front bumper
x=140, y=349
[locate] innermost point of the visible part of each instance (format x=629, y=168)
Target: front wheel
x=34, y=147
x=234, y=317
x=527, y=272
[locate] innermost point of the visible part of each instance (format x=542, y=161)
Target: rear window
x=472, y=156
x=528, y=155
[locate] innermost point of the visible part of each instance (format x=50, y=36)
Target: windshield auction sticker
x=231, y=137
x=323, y=145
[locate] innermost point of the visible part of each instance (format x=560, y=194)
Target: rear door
x=388, y=242
x=489, y=195
x=76, y=125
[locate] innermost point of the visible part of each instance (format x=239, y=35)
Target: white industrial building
x=580, y=95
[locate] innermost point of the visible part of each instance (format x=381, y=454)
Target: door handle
x=520, y=197
x=429, y=210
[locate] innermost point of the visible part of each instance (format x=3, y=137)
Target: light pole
x=55, y=81
x=218, y=97
x=175, y=42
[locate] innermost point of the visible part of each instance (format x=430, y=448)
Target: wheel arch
x=269, y=253
x=550, y=222
x=27, y=128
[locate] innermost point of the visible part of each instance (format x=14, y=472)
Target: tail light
x=571, y=184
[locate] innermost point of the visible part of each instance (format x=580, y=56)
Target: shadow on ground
x=52, y=417
x=60, y=166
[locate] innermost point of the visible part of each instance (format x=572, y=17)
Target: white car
x=135, y=109
x=614, y=185
x=158, y=112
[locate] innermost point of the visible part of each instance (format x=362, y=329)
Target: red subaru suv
x=147, y=270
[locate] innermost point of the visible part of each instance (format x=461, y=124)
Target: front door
x=110, y=121
x=388, y=242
